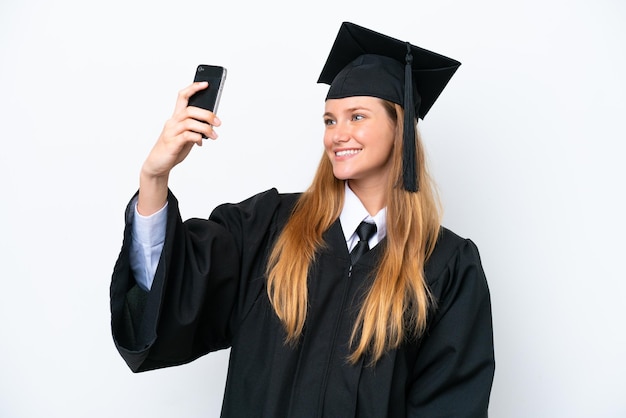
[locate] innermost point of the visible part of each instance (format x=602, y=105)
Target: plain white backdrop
x=526, y=143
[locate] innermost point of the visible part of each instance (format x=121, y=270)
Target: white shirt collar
x=353, y=213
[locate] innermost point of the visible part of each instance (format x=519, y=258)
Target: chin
x=341, y=176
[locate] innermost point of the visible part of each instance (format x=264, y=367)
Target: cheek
x=390, y=138
x=390, y=146
x=385, y=150
x=328, y=142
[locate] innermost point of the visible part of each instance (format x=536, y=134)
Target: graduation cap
x=367, y=63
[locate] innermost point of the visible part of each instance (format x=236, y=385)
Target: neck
x=372, y=196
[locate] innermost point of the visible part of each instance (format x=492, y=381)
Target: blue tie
x=365, y=231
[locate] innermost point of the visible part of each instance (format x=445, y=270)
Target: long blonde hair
x=396, y=305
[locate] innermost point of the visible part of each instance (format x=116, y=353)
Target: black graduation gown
x=209, y=293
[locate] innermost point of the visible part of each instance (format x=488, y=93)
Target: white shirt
x=353, y=213
x=148, y=235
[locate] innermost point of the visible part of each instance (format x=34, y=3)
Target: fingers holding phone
x=201, y=121
x=193, y=119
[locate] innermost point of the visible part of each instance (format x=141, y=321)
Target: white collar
x=354, y=212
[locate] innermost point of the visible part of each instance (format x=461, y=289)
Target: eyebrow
x=350, y=110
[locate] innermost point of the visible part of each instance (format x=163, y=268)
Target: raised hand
x=181, y=132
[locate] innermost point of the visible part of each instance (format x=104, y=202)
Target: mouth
x=347, y=152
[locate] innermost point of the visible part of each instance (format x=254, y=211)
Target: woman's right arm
x=135, y=311
x=185, y=128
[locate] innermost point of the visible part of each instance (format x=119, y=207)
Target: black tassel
x=409, y=156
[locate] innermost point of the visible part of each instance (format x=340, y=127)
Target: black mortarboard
x=366, y=63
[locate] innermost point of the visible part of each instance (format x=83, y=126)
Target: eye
x=357, y=116
x=329, y=121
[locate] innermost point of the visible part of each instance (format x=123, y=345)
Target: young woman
x=321, y=321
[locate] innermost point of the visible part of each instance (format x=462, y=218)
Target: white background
x=526, y=143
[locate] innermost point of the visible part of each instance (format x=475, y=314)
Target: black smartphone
x=209, y=98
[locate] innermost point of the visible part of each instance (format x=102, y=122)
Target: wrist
x=149, y=177
x=152, y=193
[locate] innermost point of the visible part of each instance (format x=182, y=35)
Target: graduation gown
x=209, y=293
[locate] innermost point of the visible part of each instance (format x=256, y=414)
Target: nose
x=341, y=133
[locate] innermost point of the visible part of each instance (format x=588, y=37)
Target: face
x=358, y=139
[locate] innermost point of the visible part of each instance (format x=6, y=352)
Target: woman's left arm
x=455, y=363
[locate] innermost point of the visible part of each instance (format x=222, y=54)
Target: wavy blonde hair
x=397, y=303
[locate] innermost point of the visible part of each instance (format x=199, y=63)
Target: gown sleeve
x=455, y=362
x=204, y=279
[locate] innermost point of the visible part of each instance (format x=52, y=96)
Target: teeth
x=347, y=152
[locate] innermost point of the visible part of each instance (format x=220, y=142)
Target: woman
x=398, y=326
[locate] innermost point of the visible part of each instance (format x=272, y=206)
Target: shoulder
x=451, y=252
x=266, y=206
x=269, y=199
x=269, y=195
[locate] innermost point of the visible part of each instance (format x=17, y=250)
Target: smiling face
x=359, y=139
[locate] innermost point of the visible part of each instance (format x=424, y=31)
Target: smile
x=347, y=152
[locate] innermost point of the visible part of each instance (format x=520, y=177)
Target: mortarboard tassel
x=409, y=158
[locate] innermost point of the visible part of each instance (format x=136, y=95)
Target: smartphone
x=209, y=98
